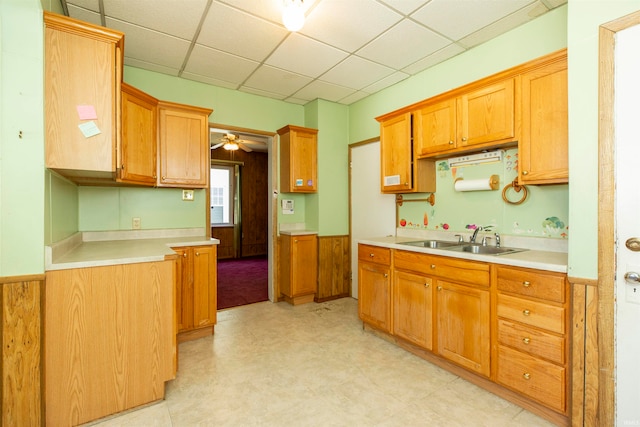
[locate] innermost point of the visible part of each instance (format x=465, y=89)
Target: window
x=222, y=191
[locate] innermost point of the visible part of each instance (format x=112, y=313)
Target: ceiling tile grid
x=346, y=50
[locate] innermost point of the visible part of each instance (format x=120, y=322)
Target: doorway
x=240, y=213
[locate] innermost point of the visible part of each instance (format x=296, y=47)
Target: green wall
x=21, y=138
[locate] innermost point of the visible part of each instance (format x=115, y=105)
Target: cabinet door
x=82, y=69
x=302, y=161
x=463, y=325
x=487, y=115
x=139, y=139
x=412, y=308
x=374, y=295
x=435, y=127
x=184, y=146
x=204, y=285
x=304, y=265
x=543, y=145
x=184, y=290
x=395, y=154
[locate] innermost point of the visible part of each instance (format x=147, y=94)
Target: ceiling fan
x=232, y=142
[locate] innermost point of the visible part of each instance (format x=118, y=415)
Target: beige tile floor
x=313, y=365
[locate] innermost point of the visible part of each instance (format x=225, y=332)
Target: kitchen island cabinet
x=83, y=71
x=110, y=341
x=196, y=291
x=184, y=148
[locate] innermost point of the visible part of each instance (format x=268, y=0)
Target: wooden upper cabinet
x=543, y=144
x=83, y=71
x=487, y=115
x=138, y=154
x=400, y=171
x=435, y=127
x=184, y=145
x=299, y=159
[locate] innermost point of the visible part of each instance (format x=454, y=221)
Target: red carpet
x=242, y=281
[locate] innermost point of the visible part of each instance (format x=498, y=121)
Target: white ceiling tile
x=93, y=5
x=404, y=6
x=503, y=25
x=355, y=96
x=443, y=54
x=220, y=65
x=299, y=101
x=178, y=18
x=403, y=45
x=267, y=9
x=133, y=62
x=266, y=93
x=356, y=72
x=386, y=82
x=322, y=90
x=348, y=25
x=151, y=46
x=303, y=55
x=249, y=37
x=277, y=81
x=468, y=15
x=208, y=80
x=84, y=15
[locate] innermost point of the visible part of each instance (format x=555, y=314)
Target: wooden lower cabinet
x=413, y=308
x=502, y=327
x=110, y=342
x=196, y=291
x=299, y=267
x=464, y=328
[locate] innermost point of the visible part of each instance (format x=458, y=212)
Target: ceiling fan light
x=293, y=15
x=230, y=146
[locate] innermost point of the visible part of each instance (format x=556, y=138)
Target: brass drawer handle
x=526, y=376
x=526, y=284
x=526, y=312
x=526, y=340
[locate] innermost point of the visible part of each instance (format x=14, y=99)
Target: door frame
x=272, y=223
x=603, y=361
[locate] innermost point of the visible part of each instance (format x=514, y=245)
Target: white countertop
x=536, y=259
x=122, y=247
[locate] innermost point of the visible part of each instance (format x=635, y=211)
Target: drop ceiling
x=347, y=49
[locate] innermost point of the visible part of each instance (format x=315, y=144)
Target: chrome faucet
x=497, y=240
x=472, y=239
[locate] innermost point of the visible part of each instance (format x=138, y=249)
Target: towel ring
x=517, y=187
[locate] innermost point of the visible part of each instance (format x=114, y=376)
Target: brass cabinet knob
x=433, y=266
x=464, y=138
x=371, y=255
x=426, y=285
x=386, y=275
x=450, y=142
x=197, y=253
x=526, y=340
x=184, y=255
x=525, y=172
x=526, y=376
x=526, y=312
x=439, y=288
x=526, y=284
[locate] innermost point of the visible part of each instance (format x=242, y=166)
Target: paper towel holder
x=494, y=183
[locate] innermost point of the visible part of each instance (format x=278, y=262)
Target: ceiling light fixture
x=230, y=146
x=293, y=14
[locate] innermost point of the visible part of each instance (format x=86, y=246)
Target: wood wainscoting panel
x=226, y=247
x=21, y=341
x=334, y=267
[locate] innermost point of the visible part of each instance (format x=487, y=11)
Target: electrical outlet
x=187, y=195
x=633, y=293
x=136, y=224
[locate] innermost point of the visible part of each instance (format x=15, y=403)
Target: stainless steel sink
x=433, y=244
x=485, y=250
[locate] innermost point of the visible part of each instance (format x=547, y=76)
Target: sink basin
x=486, y=250
x=433, y=244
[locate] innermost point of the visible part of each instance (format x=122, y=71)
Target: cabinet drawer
x=532, y=341
x=474, y=273
x=532, y=313
x=540, y=380
x=375, y=254
x=532, y=284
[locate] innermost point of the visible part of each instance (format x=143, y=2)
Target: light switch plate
x=187, y=195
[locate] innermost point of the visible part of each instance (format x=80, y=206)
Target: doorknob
x=632, y=277
x=633, y=244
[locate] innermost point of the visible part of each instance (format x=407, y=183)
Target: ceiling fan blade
x=213, y=147
x=244, y=147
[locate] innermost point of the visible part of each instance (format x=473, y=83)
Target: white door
x=627, y=214
x=372, y=213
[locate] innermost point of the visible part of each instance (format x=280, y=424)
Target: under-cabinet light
x=475, y=159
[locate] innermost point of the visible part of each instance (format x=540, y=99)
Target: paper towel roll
x=490, y=183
